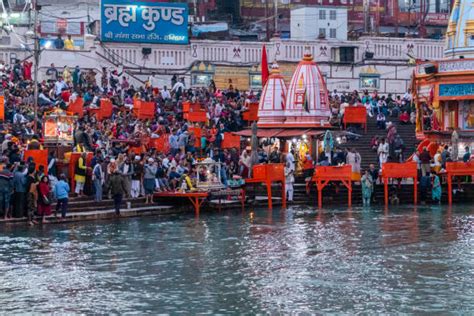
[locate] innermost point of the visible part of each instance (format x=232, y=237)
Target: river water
x=300, y=260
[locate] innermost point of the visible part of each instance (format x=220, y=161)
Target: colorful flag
x=265, y=73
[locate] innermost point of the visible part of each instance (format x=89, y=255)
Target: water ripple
x=301, y=261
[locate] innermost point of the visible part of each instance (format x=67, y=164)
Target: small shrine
x=307, y=103
x=271, y=109
x=59, y=127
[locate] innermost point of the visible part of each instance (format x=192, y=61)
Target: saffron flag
x=306, y=101
x=265, y=73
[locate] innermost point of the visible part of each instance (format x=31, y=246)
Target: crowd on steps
x=117, y=172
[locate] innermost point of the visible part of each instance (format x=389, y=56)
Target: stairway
x=407, y=132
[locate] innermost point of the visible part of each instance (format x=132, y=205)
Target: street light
x=36, y=53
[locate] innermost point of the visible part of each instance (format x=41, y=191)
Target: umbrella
x=454, y=144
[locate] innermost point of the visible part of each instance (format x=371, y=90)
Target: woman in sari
x=44, y=199
x=436, y=188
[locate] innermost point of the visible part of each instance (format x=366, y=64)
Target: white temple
x=306, y=104
x=460, y=33
x=272, y=101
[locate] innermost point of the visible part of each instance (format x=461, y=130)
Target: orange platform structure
x=196, y=198
x=405, y=170
x=355, y=115
x=251, y=115
x=267, y=174
x=457, y=169
x=323, y=175
x=77, y=107
x=144, y=110
x=39, y=156
x=160, y=144
x=104, y=111
x=231, y=141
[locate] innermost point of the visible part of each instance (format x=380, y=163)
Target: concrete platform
x=103, y=214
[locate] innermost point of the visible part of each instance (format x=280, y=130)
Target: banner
x=144, y=22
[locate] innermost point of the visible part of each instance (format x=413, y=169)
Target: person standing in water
x=367, y=188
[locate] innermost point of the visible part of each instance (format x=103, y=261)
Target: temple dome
x=307, y=103
x=460, y=33
x=272, y=101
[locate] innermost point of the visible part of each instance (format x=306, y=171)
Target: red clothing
x=43, y=191
x=65, y=95
x=27, y=70
x=404, y=117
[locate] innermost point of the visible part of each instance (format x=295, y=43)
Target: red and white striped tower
x=307, y=103
x=272, y=101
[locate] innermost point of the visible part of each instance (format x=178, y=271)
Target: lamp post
x=36, y=55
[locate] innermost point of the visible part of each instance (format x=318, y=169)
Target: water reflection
x=295, y=260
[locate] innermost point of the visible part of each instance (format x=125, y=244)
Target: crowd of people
x=110, y=139
x=117, y=172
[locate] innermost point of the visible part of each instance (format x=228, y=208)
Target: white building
x=319, y=22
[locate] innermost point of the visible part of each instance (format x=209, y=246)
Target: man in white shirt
x=407, y=96
x=290, y=159
x=165, y=93
x=177, y=86
x=153, y=80
x=59, y=86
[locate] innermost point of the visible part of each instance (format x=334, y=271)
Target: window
x=369, y=82
x=322, y=33
x=408, y=6
x=346, y=54
x=201, y=79
x=322, y=14
x=332, y=33
x=255, y=80
x=332, y=15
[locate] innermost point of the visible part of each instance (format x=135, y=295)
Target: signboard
x=456, y=65
x=144, y=22
x=437, y=19
x=456, y=90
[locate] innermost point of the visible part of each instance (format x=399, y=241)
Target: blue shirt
x=61, y=190
x=19, y=182
x=173, y=141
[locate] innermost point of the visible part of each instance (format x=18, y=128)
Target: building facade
x=343, y=64
x=318, y=22
x=403, y=16
x=444, y=89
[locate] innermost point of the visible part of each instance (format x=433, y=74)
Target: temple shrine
x=443, y=90
x=271, y=109
x=307, y=102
